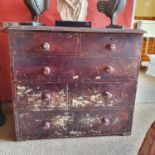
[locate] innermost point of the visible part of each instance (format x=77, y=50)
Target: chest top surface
x=72, y=29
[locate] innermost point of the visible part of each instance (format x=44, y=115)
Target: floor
x=144, y=115
x=146, y=88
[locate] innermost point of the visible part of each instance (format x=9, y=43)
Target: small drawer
x=99, y=95
x=108, y=69
x=107, y=122
x=48, y=69
x=41, y=97
x=44, y=43
x=110, y=45
x=44, y=125
x=44, y=69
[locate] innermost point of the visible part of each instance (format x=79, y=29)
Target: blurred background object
x=36, y=8
x=111, y=9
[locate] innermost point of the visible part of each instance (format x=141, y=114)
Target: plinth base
x=72, y=24
x=114, y=26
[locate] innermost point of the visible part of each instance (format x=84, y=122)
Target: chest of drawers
x=73, y=82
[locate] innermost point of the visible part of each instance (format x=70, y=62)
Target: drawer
x=61, y=124
x=47, y=69
x=112, y=69
x=99, y=95
x=44, y=69
x=108, y=122
x=50, y=96
x=110, y=45
x=44, y=43
x=41, y=97
x=41, y=125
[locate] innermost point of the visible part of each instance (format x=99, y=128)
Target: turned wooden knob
x=46, y=125
x=46, y=97
x=111, y=47
x=105, y=121
x=109, y=69
x=107, y=95
x=46, y=46
x=46, y=70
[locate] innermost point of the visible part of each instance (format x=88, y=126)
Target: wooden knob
x=46, y=125
x=111, y=47
x=46, y=97
x=46, y=70
x=46, y=46
x=105, y=121
x=109, y=69
x=107, y=95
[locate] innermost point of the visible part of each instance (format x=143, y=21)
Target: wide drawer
x=110, y=45
x=43, y=43
x=60, y=124
x=48, y=69
x=74, y=95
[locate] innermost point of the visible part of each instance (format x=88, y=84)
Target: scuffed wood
x=74, y=96
x=73, y=82
x=73, y=124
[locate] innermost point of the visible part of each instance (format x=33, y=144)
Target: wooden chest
x=73, y=82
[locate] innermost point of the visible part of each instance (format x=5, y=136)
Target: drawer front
x=41, y=97
x=74, y=96
x=109, y=122
x=41, y=125
x=110, y=45
x=46, y=69
x=112, y=69
x=60, y=124
x=99, y=95
x=44, y=43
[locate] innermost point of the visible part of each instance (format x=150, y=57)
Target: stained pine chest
x=73, y=82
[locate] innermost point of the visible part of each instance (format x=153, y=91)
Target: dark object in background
x=72, y=24
x=2, y=117
x=36, y=8
x=111, y=9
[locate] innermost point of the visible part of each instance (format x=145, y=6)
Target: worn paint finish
x=30, y=97
x=73, y=123
x=72, y=82
x=69, y=96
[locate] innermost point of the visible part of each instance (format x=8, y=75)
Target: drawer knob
x=109, y=69
x=105, y=121
x=46, y=97
x=107, y=95
x=46, y=70
x=111, y=47
x=46, y=46
x=46, y=125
